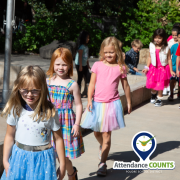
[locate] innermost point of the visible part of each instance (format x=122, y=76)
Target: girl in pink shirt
x=104, y=112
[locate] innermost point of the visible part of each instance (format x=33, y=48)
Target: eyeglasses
x=34, y=92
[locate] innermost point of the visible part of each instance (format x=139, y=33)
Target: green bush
x=69, y=17
x=149, y=16
x=66, y=20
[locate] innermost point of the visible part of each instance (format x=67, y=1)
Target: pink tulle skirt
x=158, y=78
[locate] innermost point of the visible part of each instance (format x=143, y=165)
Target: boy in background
x=174, y=39
x=132, y=57
x=174, y=66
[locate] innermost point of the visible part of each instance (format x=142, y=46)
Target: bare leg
x=160, y=93
x=106, y=145
x=99, y=137
x=172, y=85
x=153, y=91
x=69, y=168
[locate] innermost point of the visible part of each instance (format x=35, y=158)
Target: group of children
x=162, y=66
x=40, y=116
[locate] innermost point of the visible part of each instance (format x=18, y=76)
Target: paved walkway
x=164, y=122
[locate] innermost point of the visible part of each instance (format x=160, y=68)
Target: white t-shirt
x=31, y=132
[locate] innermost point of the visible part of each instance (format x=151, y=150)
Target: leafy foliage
x=66, y=19
x=149, y=16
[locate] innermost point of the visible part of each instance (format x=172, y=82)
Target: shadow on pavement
x=129, y=156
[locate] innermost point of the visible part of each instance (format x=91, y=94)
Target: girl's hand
x=173, y=74
x=61, y=173
x=6, y=167
x=144, y=71
x=129, y=108
x=80, y=68
x=177, y=73
x=75, y=130
x=89, y=106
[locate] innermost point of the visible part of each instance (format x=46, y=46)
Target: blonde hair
x=66, y=56
x=120, y=44
x=116, y=43
x=30, y=74
x=137, y=43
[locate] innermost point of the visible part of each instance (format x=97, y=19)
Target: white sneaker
x=165, y=92
x=153, y=100
x=158, y=103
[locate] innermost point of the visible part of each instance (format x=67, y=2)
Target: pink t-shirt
x=107, y=81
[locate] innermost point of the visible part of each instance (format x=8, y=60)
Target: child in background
x=171, y=42
x=178, y=65
x=174, y=79
x=157, y=69
x=174, y=39
x=132, y=57
x=31, y=118
x=105, y=112
x=177, y=25
x=81, y=61
x=63, y=91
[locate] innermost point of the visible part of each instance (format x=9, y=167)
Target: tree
x=149, y=16
x=63, y=20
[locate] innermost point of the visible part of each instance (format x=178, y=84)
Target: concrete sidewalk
x=164, y=122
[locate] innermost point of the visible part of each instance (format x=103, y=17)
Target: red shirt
x=178, y=51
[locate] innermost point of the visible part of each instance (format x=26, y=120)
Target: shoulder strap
x=48, y=80
x=70, y=84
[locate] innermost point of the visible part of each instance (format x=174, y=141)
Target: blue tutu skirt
x=27, y=165
x=104, y=117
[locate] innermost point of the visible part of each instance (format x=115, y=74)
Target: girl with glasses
x=30, y=120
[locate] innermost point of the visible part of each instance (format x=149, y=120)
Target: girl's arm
x=60, y=151
x=91, y=89
x=78, y=103
x=170, y=63
x=177, y=66
x=148, y=64
x=127, y=91
x=80, y=59
x=8, y=143
x=88, y=64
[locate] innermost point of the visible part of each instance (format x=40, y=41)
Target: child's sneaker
x=153, y=98
x=102, y=169
x=158, y=103
x=170, y=98
x=165, y=92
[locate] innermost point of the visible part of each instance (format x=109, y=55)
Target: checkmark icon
x=144, y=143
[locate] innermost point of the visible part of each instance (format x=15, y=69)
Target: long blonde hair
x=30, y=74
x=113, y=42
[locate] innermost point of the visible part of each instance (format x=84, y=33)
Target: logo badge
x=144, y=144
